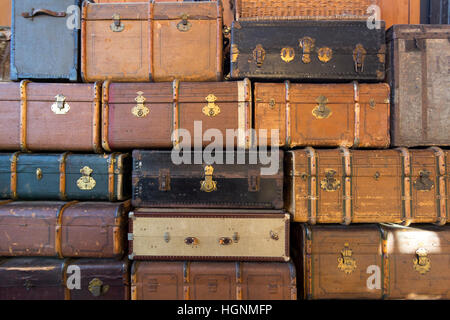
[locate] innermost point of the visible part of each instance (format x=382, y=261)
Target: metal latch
x=97, y=288
x=322, y=111
x=422, y=262
x=164, y=180
x=259, y=54
x=307, y=44
x=253, y=181
x=359, y=55
x=208, y=185
x=117, y=25
x=60, y=106
x=184, y=25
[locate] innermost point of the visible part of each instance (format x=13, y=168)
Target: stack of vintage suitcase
x=182, y=109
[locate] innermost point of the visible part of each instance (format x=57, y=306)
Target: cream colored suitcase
x=237, y=235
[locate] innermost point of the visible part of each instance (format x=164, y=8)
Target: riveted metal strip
x=307, y=256
x=242, y=116
x=105, y=116
x=357, y=114
x=347, y=189
x=385, y=274
x=14, y=159
x=175, y=113
x=406, y=187
x=441, y=192
x=293, y=276
x=96, y=129
x=238, y=281
x=312, y=185
x=111, y=176
x=287, y=86
x=186, y=280
x=62, y=176
x=58, y=231
x=23, y=115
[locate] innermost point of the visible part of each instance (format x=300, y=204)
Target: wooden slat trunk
x=32, y=119
x=418, y=75
x=198, y=182
x=307, y=50
x=61, y=229
x=373, y=262
x=213, y=281
x=324, y=115
x=152, y=41
x=227, y=235
x=148, y=115
x=65, y=176
x=367, y=186
x=54, y=279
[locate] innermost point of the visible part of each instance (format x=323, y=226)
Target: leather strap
x=96, y=143
x=441, y=191
x=58, y=231
x=238, y=281
x=288, y=113
x=312, y=186
x=14, y=159
x=105, y=116
x=186, y=280
x=347, y=189
x=23, y=115
x=406, y=187
x=62, y=176
x=111, y=176
x=35, y=12
x=175, y=113
x=357, y=114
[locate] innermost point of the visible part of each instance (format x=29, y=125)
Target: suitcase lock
x=117, y=25
x=97, y=288
x=307, y=44
x=184, y=25
x=259, y=54
x=422, y=262
x=322, y=111
x=208, y=185
x=60, y=106
x=424, y=183
x=359, y=55
x=191, y=241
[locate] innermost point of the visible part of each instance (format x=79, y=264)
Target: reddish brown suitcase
x=69, y=279
x=148, y=115
x=418, y=72
x=373, y=262
x=213, y=281
x=325, y=115
x=367, y=186
x=50, y=117
x=61, y=229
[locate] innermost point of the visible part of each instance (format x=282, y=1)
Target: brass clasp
x=86, y=182
x=184, y=25
x=60, y=106
x=39, y=173
x=346, y=262
x=359, y=55
x=322, y=111
x=212, y=109
x=97, y=288
x=422, y=262
x=330, y=183
x=259, y=54
x=424, y=183
x=140, y=110
x=208, y=185
x=117, y=25
x=307, y=44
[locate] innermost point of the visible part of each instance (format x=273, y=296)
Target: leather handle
x=43, y=12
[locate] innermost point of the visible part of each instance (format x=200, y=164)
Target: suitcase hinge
x=259, y=54
x=117, y=25
x=164, y=180
x=307, y=44
x=359, y=56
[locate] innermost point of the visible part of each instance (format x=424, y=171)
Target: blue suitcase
x=45, y=39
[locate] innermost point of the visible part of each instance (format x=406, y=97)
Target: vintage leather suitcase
x=367, y=186
x=69, y=279
x=45, y=39
x=307, y=50
x=63, y=229
x=5, y=39
x=231, y=235
x=400, y=11
x=331, y=115
x=159, y=182
x=65, y=176
x=435, y=12
x=50, y=117
x=303, y=9
x=418, y=74
x=213, y=281
x=373, y=262
x=149, y=41
x=148, y=115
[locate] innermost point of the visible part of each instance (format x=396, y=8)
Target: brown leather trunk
x=325, y=115
x=213, y=281
x=5, y=40
x=373, y=262
x=55, y=279
x=362, y=186
x=400, y=12
x=417, y=69
x=303, y=9
x=135, y=42
x=63, y=229
x=144, y=115
x=50, y=117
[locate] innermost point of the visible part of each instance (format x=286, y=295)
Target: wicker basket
x=303, y=9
